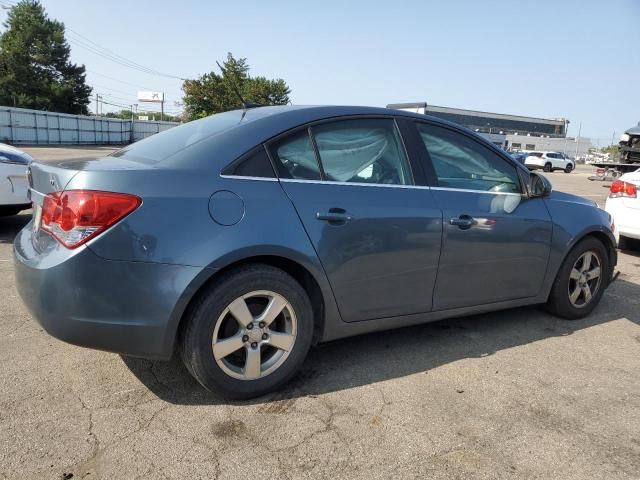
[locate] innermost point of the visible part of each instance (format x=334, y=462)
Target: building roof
x=476, y=113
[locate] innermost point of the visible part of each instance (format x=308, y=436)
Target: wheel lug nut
x=265, y=336
x=245, y=338
x=250, y=326
x=261, y=324
x=254, y=345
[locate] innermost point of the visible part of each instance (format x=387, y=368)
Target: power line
x=103, y=52
x=82, y=41
x=118, y=80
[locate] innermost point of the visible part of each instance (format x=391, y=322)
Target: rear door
x=496, y=242
x=376, y=233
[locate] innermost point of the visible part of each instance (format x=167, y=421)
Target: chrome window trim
x=242, y=177
x=355, y=184
x=467, y=190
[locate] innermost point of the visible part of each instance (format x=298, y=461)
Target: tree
x=612, y=150
x=214, y=93
x=35, y=70
x=126, y=115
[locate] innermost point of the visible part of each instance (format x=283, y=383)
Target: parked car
x=241, y=239
x=549, y=161
x=13, y=180
x=520, y=157
x=624, y=206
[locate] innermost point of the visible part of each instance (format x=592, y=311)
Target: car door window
x=295, y=158
x=461, y=162
x=362, y=151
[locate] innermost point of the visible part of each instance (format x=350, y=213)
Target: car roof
x=8, y=148
x=243, y=130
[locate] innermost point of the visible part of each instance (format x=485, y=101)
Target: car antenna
x=245, y=105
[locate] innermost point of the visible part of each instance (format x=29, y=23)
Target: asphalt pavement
x=513, y=394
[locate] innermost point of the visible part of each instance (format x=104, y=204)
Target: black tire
x=559, y=303
x=568, y=168
x=10, y=211
x=547, y=167
x=196, y=336
x=626, y=243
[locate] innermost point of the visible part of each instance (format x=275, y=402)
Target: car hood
x=568, y=198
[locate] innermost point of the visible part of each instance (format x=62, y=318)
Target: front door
x=377, y=234
x=496, y=242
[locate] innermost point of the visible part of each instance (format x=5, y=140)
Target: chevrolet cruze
x=240, y=240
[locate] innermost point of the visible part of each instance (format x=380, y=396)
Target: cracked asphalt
x=514, y=394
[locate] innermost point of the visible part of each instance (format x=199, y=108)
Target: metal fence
x=35, y=127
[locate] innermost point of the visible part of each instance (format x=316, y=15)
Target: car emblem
x=54, y=183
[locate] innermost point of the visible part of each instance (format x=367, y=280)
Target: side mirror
x=539, y=185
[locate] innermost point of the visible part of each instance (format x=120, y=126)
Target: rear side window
x=295, y=158
x=363, y=151
x=256, y=164
x=461, y=162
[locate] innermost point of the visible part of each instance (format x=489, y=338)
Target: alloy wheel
x=254, y=335
x=584, y=279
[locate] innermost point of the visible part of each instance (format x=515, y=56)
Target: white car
x=623, y=204
x=13, y=180
x=549, y=161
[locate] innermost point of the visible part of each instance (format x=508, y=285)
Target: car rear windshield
x=163, y=145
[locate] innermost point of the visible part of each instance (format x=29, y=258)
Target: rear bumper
x=131, y=308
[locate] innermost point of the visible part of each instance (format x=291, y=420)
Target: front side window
x=295, y=158
x=461, y=162
x=362, y=151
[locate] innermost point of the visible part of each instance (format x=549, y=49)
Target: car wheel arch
x=297, y=270
x=606, y=239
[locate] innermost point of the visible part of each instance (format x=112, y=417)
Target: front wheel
x=581, y=280
x=249, y=333
x=568, y=168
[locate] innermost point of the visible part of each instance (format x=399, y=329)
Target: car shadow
x=376, y=357
x=11, y=225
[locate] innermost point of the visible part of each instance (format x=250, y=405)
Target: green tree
x=35, y=70
x=214, y=93
x=126, y=115
x=612, y=150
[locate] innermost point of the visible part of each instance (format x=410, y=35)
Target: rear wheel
x=547, y=167
x=581, y=280
x=249, y=332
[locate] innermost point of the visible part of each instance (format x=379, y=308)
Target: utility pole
x=613, y=137
x=578, y=139
x=98, y=98
x=162, y=108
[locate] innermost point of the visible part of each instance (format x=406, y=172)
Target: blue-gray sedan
x=240, y=240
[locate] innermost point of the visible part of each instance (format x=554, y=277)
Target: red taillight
x=623, y=189
x=74, y=217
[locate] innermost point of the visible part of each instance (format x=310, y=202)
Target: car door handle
x=335, y=216
x=463, y=222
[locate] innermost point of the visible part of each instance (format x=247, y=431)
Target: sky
x=544, y=58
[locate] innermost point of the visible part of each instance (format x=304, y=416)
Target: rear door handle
x=464, y=222
x=335, y=216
